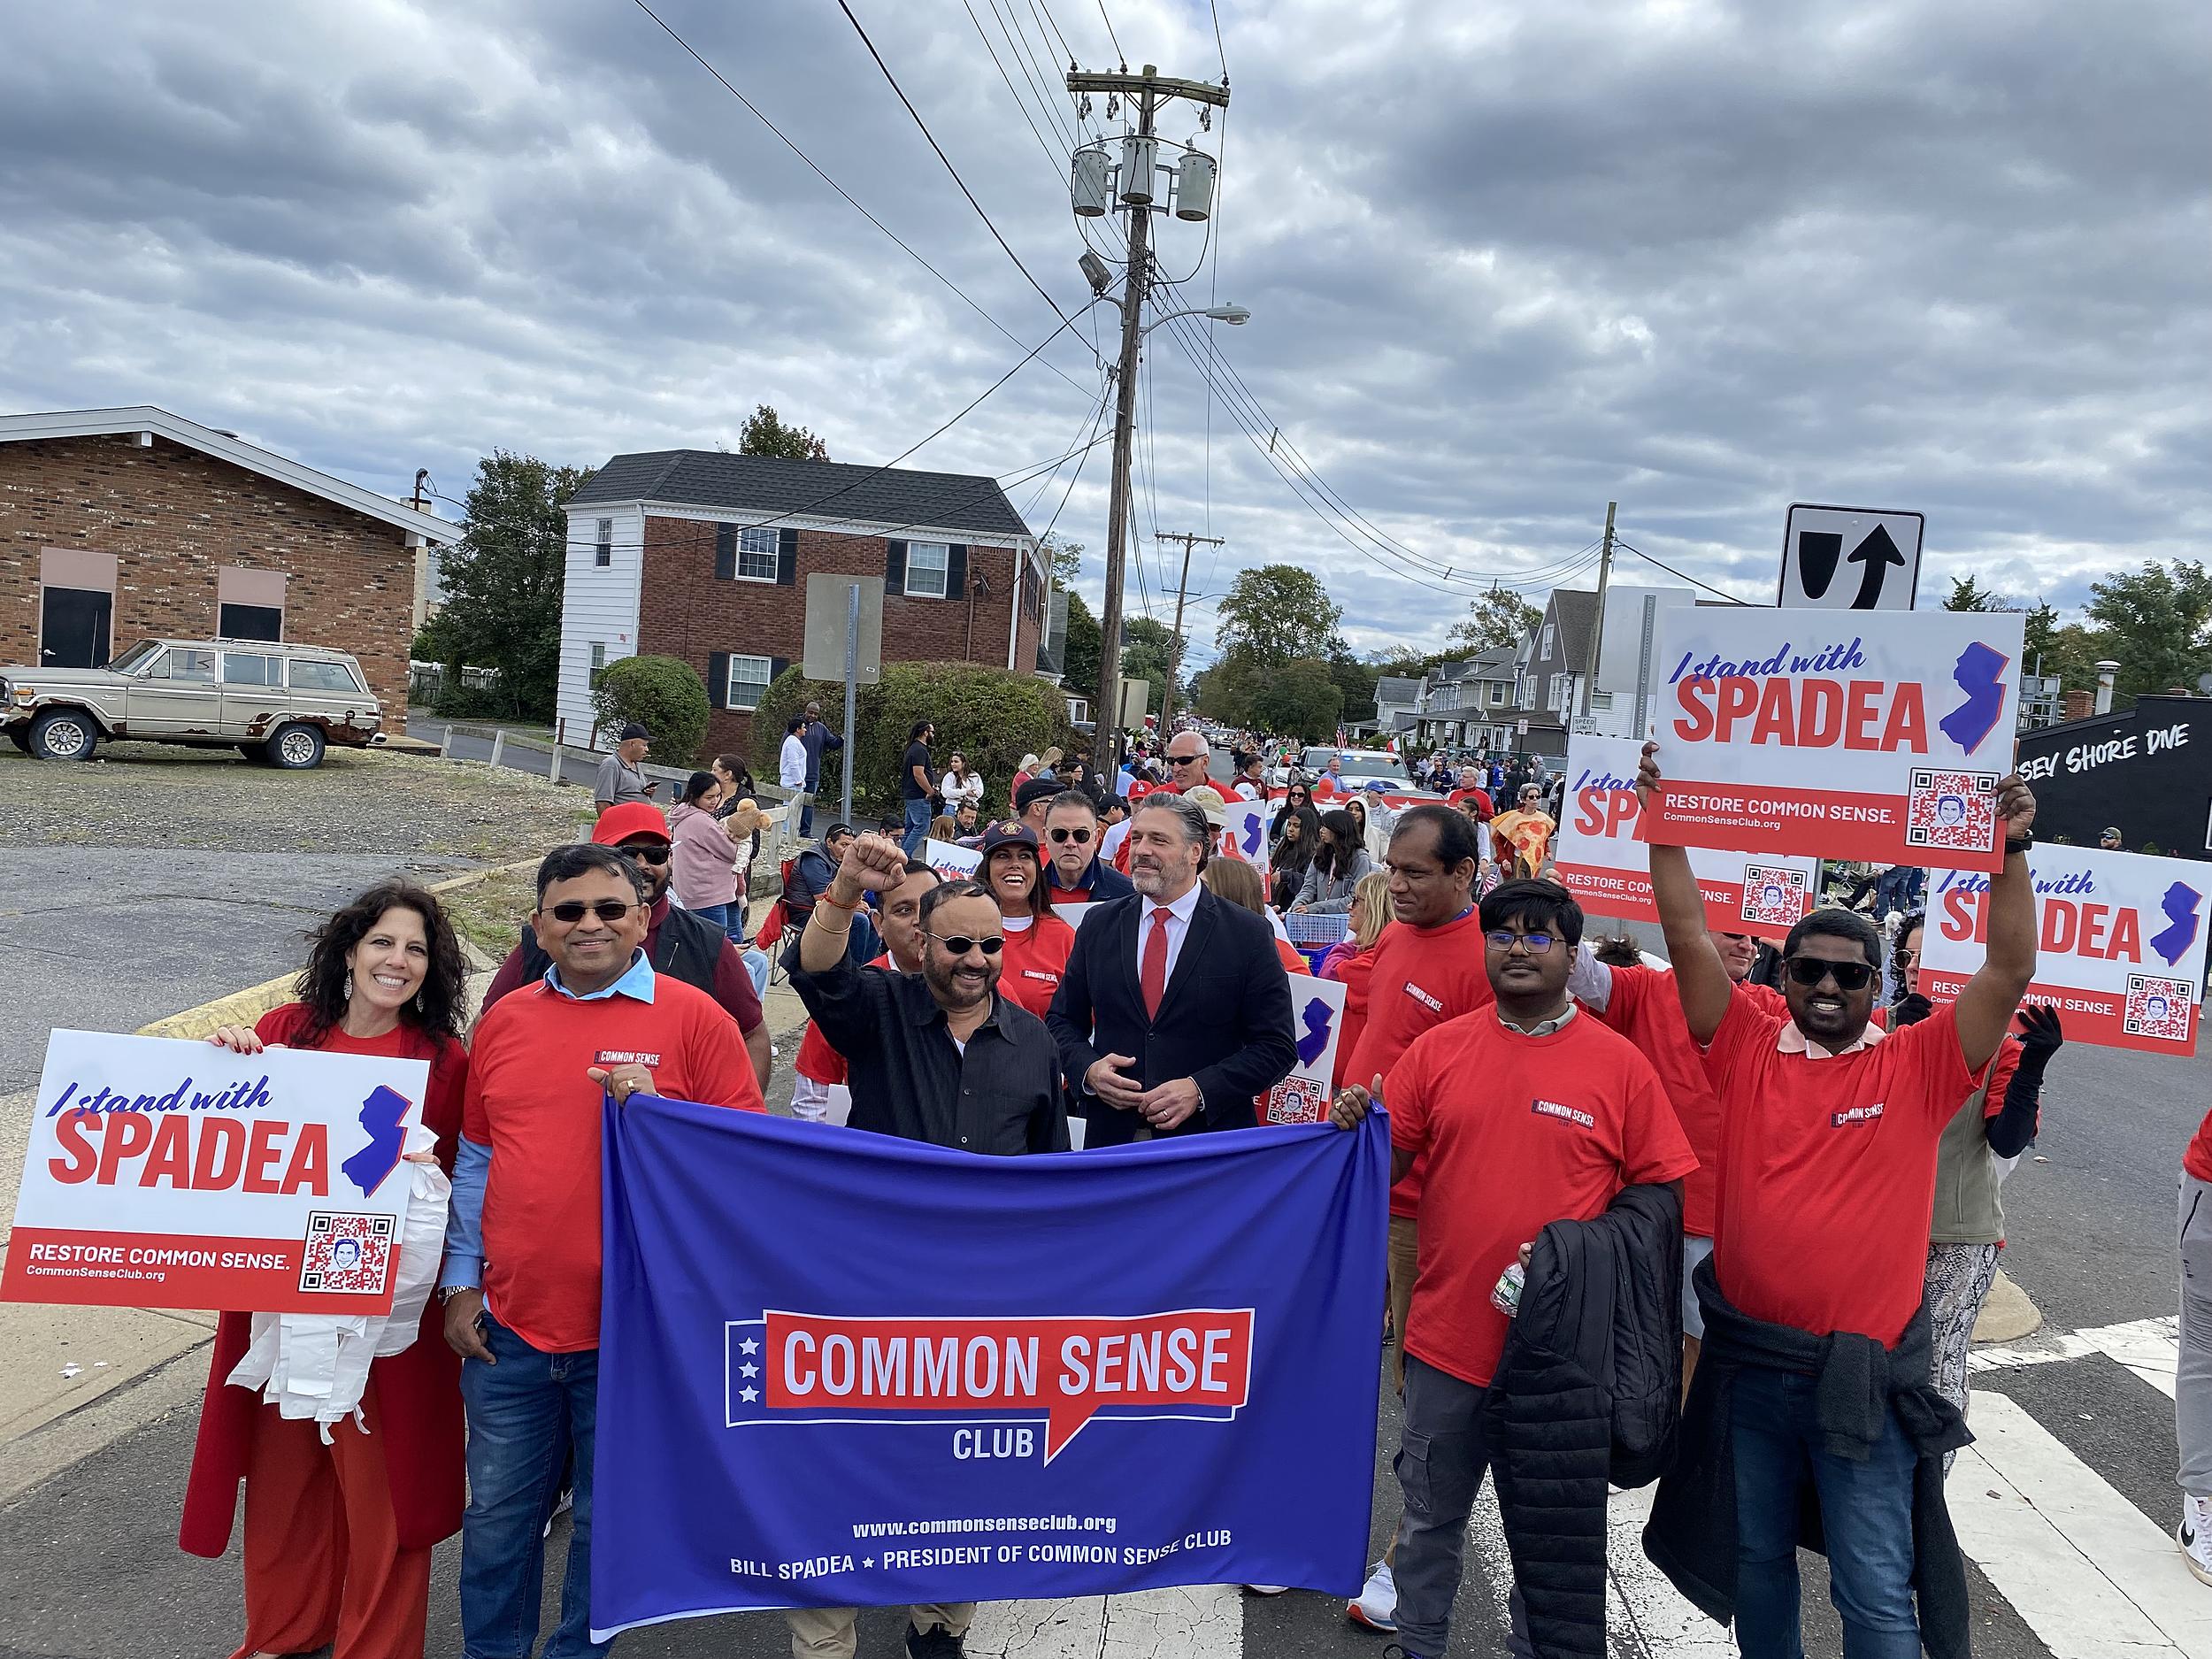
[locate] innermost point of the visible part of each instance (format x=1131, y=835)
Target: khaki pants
x=1404, y=1252
x=826, y=1633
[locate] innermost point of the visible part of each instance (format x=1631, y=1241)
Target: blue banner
x=837, y=1368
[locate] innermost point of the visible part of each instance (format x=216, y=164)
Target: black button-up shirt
x=910, y=1078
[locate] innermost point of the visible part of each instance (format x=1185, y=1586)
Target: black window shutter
x=895, y=568
x=725, y=552
x=718, y=680
x=788, y=556
x=957, y=571
x=776, y=665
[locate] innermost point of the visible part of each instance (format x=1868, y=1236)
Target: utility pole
x=1142, y=193
x=1597, y=628
x=1182, y=590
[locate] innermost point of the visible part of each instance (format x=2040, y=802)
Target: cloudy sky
x=1506, y=261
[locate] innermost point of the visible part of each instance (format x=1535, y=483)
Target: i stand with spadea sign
x=161, y=1173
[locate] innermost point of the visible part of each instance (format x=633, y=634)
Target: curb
x=243, y=1007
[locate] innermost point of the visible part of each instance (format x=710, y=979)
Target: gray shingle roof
x=891, y=496
x=1391, y=688
x=1576, y=612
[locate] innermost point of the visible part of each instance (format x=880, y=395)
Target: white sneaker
x=2194, y=1536
x=1267, y=1589
x=1377, y=1605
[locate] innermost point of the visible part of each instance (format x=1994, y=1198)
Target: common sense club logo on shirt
x=1565, y=1114
x=1855, y=1114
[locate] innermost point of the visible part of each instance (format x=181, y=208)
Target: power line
x=852, y=201
x=1678, y=575
x=1051, y=158
x=1110, y=35
x=1214, y=6
x=950, y=168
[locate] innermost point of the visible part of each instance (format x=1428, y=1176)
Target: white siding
x=598, y=604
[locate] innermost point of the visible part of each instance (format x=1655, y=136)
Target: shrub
x=990, y=716
x=663, y=694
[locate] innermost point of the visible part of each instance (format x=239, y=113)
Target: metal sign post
x=852, y=689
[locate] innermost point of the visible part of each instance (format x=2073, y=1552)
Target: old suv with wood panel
x=271, y=702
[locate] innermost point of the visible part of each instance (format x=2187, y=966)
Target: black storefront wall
x=2149, y=771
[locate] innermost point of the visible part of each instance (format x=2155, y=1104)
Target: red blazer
x=417, y=1394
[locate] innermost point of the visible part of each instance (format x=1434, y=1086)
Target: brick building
x=702, y=556
x=122, y=523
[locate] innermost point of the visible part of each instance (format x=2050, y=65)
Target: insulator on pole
x=1195, y=186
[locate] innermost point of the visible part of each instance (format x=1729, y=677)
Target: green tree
x=1148, y=649
x=1080, y=667
x=1500, y=616
x=1969, y=594
x=765, y=433
x=1356, y=681
x=2156, y=623
x=1064, y=558
x=1299, y=699
x=1275, y=612
x=664, y=694
x=504, y=578
x=992, y=717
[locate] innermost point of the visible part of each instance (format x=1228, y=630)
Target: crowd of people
x=1791, y=1191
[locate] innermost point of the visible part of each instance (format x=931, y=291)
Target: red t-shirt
x=1353, y=970
x=1422, y=976
x=1295, y=962
x=2197, y=1159
x=1480, y=797
x=529, y=1101
x=1033, y=962
x=1516, y=1132
x=282, y=1027
x=1827, y=1170
x=816, y=1061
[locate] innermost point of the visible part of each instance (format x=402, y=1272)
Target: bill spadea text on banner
x=929, y=1404
x=1836, y=735
x=2120, y=943
x=161, y=1173
x=1601, y=861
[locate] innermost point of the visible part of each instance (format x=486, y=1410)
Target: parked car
x=271, y=702
x=1362, y=767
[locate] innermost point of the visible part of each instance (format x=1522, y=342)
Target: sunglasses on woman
x=570, y=912
x=1850, y=976
x=960, y=944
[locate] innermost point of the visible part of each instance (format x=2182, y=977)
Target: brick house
x=702, y=556
x=122, y=523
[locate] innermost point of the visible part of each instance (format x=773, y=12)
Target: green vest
x=1967, y=1208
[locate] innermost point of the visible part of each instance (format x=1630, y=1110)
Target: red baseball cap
x=618, y=824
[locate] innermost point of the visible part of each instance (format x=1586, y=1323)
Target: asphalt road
x=109, y=940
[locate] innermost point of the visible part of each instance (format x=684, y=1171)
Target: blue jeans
x=718, y=914
x=1865, y=1513
x=917, y=817
x=524, y=1416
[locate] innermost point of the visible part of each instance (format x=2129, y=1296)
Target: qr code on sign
x=1297, y=1099
x=346, y=1255
x=1775, y=897
x=2156, y=1008
x=1956, y=810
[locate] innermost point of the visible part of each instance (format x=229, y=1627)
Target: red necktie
x=1152, y=972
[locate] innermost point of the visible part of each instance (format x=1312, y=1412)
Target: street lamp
x=1236, y=316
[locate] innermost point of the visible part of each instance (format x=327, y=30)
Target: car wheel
x=294, y=748
x=64, y=734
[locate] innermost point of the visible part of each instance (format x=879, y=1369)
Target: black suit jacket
x=1224, y=1022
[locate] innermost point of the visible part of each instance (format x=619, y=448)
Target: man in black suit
x=1174, y=1011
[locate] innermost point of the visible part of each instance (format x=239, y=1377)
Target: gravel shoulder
x=356, y=801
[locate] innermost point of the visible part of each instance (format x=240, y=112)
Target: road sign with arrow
x=1850, y=558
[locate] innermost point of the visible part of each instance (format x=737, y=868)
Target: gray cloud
x=1505, y=265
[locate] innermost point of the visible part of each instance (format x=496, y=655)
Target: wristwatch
x=2021, y=842
x=446, y=1293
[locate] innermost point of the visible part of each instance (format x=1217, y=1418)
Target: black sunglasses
x=1850, y=976
x=960, y=944
x=645, y=855
x=1078, y=836
x=571, y=910
x=1536, y=944
x=1184, y=760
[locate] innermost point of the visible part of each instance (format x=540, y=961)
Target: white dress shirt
x=1179, y=912
x=791, y=764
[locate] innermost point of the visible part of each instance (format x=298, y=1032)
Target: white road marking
x=1193, y=1622
x=2090, y=1575
x=2149, y=1347
x=1643, y=1612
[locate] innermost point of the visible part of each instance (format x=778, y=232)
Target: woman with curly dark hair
x=339, y=1531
